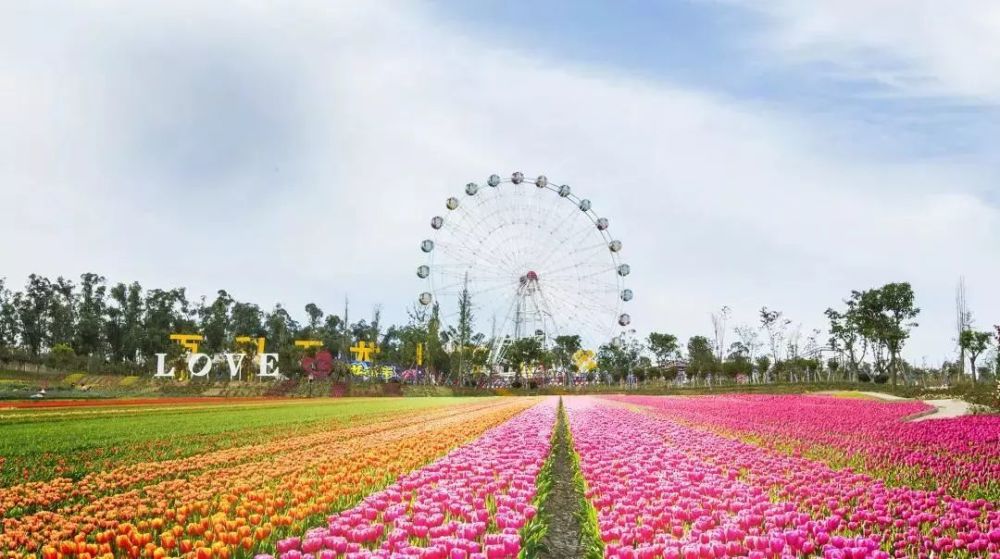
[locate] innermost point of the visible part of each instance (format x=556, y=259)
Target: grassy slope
x=41, y=444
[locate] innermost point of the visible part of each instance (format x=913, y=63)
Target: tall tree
x=897, y=303
x=32, y=310
x=664, y=346
x=774, y=324
x=166, y=312
x=62, y=312
x=845, y=336
x=9, y=329
x=563, y=350
x=719, y=329
x=701, y=357
x=89, y=336
x=464, y=327
x=523, y=353
x=247, y=320
x=749, y=337
x=215, y=323
x=315, y=315
x=963, y=320
x=281, y=328
x=974, y=343
x=434, y=353
x=331, y=334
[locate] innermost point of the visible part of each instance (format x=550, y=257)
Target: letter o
x=193, y=360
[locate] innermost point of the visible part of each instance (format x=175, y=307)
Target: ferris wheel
x=535, y=259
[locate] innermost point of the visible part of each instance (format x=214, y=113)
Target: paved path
x=950, y=407
x=945, y=409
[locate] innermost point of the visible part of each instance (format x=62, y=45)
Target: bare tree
x=719, y=329
x=774, y=324
x=963, y=321
x=749, y=337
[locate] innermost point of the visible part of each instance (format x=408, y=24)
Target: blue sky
x=716, y=47
x=748, y=153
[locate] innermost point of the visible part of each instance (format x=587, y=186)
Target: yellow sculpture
x=306, y=344
x=363, y=351
x=420, y=354
x=585, y=361
x=189, y=342
x=247, y=339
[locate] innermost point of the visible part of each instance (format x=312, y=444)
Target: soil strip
x=563, y=539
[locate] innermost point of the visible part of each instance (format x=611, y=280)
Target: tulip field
x=441, y=478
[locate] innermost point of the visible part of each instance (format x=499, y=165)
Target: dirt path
x=562, y=539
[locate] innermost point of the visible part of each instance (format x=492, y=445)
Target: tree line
x=864, y=343
x=97, y=326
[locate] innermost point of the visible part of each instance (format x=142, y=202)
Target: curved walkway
x=944, y=409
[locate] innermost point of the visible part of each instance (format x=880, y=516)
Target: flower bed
x=472, y=503
x=961, y=454
x=237, y=500
x=663, y=489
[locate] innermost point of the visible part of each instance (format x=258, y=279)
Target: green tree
x=434, y=354
x=610, y=360
x=315, y=315
x=246, y=319
x=460, y=335
x=166, y=312
x=763, y=364
x=664, y=347
x=701, y=357
x=128, y=328
x=89, y=338
x=562, y=352
x=62, y=312
x=215, y=323
x=974, y=343
x=522, y=353
x=332, y=334
x=281, y=328
x=885, y=316
x=620, y=358
x=9, y=329
x=32, y=310
x=846, y=336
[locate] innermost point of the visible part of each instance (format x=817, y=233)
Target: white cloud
x=717, y=201
x=921, y=47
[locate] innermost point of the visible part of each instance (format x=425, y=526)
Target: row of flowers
x=961, y=454
x=663, y=489
x=235, y=509
x=473, y=503
x=40, y=495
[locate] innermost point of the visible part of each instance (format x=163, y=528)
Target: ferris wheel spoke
x=577, y=302
x=601, y=271
x=482, y=270
x=560, y=256
x=456, y=287
x=470, y=255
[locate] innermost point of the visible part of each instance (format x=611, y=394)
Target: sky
x=748, y=153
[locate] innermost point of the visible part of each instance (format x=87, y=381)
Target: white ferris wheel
x=536, y=259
